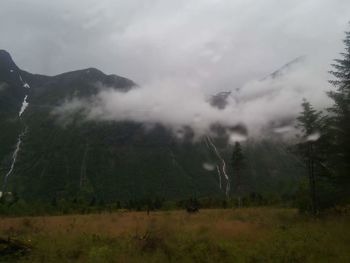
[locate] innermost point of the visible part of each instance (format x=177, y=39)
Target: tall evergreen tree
x=237, y=162
x=340, y=116
x=310, y=124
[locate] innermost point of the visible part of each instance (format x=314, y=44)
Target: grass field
x=231, y=235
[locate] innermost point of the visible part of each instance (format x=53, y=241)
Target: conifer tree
x=237, y=162
x=340, y=115
x=310, y=125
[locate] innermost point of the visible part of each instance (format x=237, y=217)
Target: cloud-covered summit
x=182, y=52
x=256, y=105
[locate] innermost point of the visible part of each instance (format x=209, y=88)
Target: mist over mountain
x=58, y=142
x=258, y=105
x=174, y=131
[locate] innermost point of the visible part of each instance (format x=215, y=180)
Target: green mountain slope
x=110, y=160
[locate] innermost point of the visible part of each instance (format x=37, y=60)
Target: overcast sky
x=207, y=45
x=231, y=40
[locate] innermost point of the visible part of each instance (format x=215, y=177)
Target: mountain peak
x=4, y=53
x=6, y=60
x=219, y=100
x=279, y=72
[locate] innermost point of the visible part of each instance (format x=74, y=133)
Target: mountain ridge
x=111, y=160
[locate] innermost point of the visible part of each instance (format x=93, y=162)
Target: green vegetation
x=340, y=121
x=238, y=235
x=11, y=206
x=324, y=145
x=105, y=171
x=237, y=162
x=310, y=122
x=69, y=158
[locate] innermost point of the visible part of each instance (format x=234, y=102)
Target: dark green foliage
x=327, y=158
x=237, y=159
x=237, y=162
x=309, y=120
x=311, y=148
x=340, y=118
x=270, y=168
x=70, y=163
x=192, y=205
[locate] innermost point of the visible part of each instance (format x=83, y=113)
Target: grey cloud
x=256, y=105
x=180, y=52
x=217, y=43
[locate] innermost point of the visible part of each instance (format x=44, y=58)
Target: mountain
x=279, y=72
x=220, y=99
x=43, y=157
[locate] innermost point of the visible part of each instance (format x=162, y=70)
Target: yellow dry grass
x=212, y=235
x=214, y=222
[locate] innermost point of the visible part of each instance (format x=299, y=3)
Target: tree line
x=323, y=148
x=323, y=145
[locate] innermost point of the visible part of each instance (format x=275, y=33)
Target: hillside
x=44, y=157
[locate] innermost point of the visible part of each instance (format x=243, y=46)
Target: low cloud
x=182, y=52
x=177, y=104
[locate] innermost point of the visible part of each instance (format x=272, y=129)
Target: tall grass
x=240, y=235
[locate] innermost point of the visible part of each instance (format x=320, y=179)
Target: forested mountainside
x=43, y=157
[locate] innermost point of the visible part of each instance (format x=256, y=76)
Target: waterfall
x=223, y=166
x=14, y=158
x=24, y=106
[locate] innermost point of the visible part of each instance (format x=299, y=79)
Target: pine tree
x=340, y=115
x=310, y=123
x=237, y=162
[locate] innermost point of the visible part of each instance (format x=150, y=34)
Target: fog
x=176, y=103
x=182, y=52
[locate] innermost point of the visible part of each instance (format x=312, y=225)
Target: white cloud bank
x=176, y=103
x=180, y=52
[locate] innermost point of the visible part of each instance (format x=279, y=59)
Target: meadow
x=261, y=234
